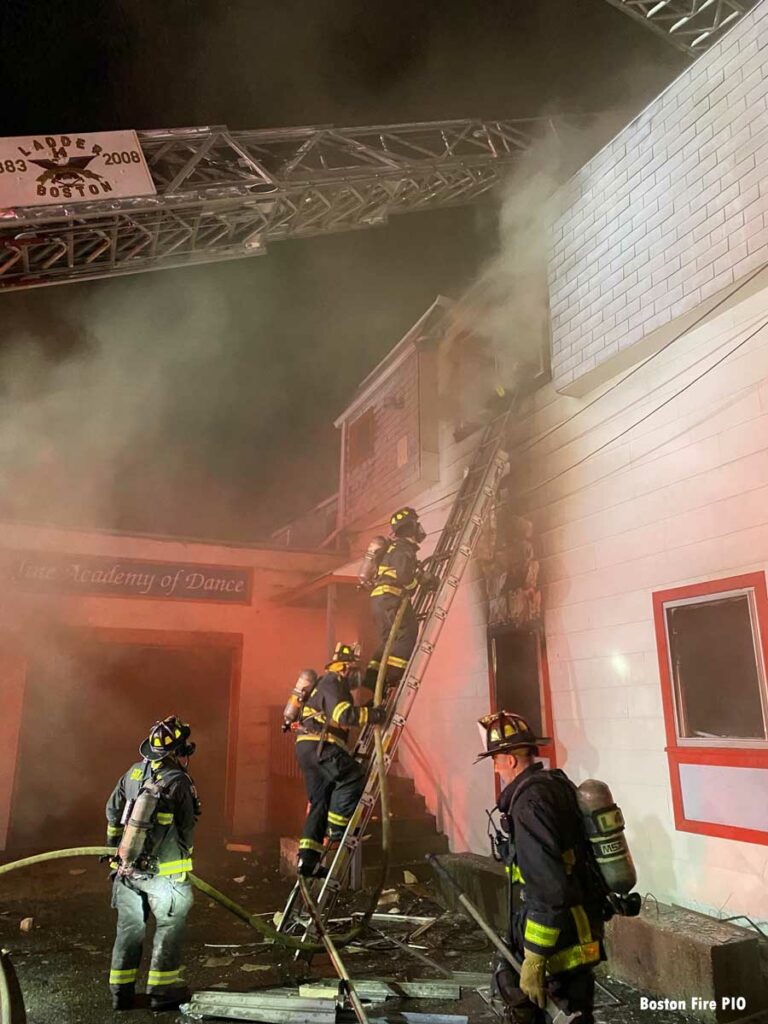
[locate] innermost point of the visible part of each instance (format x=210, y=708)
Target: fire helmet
x=406, y=520
x=169, y=736
x=343, y=655
x=503, y=731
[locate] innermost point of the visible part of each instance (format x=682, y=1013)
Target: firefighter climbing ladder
x=452, y=554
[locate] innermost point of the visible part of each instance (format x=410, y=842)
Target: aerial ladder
x=223, y=194
x=691, y=26
x=452, y=554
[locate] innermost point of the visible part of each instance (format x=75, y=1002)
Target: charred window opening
x=516, y=675
x=361, y=438
x=716, y=668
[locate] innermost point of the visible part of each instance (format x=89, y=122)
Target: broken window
x=716, y=667
x=361, y=434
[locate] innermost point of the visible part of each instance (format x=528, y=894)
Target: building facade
x=103, y=634
x=640, y=473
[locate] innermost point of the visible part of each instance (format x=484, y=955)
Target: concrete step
x=482, y=879
x=401, y=785
x=408, y=806
x=406, y=849
x=419, y=868
x=423, y=824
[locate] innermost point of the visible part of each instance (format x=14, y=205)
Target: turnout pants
x=573, y=991
x=169, y=900
x=334, y=783
x=384, y=609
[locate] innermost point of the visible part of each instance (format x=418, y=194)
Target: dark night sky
x=231, y=437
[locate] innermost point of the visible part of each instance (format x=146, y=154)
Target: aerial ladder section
x=449, y=561
x=691, y=26
x=223, y=194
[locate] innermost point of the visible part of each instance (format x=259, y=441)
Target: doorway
x=89, y=702
x=515, y=659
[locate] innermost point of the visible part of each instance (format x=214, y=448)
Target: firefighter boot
x=310, y=866
x=123, y=998
x=510, y=1001
x=170, y=1000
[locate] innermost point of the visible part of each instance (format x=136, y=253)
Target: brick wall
x=669, y=213
x=680, y=497
x=395, y=440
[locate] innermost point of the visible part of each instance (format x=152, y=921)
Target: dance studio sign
x=127, y=577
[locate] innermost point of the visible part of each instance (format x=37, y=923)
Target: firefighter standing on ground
x=398, y=574
x=156, y=881
x=558, y=930
x=333, y=779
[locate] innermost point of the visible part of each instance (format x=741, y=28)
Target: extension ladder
x=451, y=556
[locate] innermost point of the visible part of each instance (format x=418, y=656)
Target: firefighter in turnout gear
x=151, y=817
x=333, y=778
x=398, y=574
x=557, y=929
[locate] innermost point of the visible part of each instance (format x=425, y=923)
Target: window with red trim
x=711, y=641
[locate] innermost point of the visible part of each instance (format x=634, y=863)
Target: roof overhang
x=315, y=591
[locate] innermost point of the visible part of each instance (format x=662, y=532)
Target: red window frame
x=730, y=756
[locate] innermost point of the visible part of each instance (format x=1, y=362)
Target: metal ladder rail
x=484, y=463
x=466, y=538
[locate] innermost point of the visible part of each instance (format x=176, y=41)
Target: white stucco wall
x=677, y=494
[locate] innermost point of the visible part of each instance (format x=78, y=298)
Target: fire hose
x=234, y=908
x=328, y=942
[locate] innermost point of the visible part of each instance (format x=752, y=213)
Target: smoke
x=509, y=302
x=73, y=421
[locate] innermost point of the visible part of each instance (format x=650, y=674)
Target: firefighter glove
x=532, y=978
x=376, y=716
x=429, y=580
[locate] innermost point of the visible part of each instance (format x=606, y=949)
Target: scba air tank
x=605, y=828
x=305, y=684
x=371, y=562
x=141, y=818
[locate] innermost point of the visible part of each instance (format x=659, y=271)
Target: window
x=716, y=668
x=361, y=433
x=516, y=676
x=711, y=648
x=519, y=679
